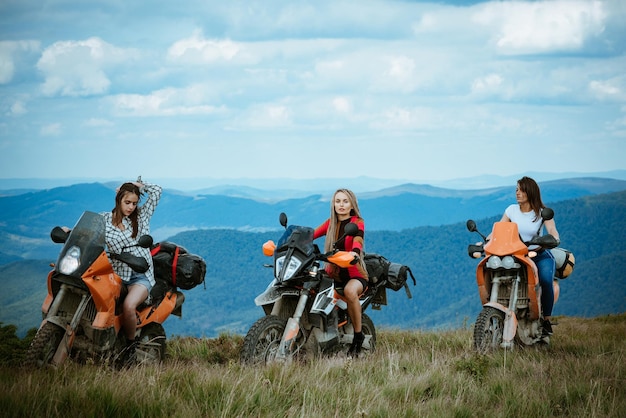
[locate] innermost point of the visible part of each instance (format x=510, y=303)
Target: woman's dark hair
x=117, y=210
x=533, y=194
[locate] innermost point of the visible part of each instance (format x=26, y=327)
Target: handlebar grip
x=473, y=248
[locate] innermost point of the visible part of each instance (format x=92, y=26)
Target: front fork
x=510, y=320
x=288, y=340
x=65, y=346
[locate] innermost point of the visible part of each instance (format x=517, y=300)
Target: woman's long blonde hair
x=333, y=226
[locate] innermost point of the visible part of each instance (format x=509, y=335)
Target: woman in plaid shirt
x=124, y=225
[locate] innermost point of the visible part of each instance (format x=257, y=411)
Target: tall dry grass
x=412, y=374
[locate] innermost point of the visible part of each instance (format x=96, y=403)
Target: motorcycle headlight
x=290, y=269
x=508, y=262
x=70, y=261
x=494, y=262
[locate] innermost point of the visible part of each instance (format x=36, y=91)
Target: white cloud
x=542, y=26
x=8, y=52
x=613, y=89
x=17, y=108
x=403, y=118
x=265, y=116
x=487, y=84
x=53, y=129
x=165, y=102
x=77, y=68
x=342, y=105
x=402, y=73
x=98, y=123
x=385, y=72
x=198, y=50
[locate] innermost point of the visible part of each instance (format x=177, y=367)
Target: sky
x=310, y=89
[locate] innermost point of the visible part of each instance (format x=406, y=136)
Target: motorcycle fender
x=291, y=330
x=65, y=347
x=45, y=307
x=483, y=287
x=58, y=321
x=534, y=294
x=272, y=294
x=510, y=323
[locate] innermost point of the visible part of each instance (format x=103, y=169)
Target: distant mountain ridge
x=281, y=188
x=28, y=218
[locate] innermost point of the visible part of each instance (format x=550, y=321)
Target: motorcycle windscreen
x=83, y=246
x=300, y=237
x=505, y=240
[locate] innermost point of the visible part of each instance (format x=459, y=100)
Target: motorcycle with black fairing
x=305, y=313
x=82, y=312
x=508, y=286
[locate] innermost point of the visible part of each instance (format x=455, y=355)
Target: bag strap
x=406, y=286
x=411, y=273
x=155, y=250
x=174, y=265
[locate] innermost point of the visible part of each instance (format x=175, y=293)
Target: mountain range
x=28, y=218
x=589, y=213
x=282, y=188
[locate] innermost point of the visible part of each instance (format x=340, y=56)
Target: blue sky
x=310, y=89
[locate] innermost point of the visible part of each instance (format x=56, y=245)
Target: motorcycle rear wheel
x=367, y=327
x=262, y=340
x=152, y=345
x=44, y=345
x=488, y=330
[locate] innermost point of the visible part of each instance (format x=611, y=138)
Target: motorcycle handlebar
x=474, y=249
x=545, y=241
x=342, y=259
x=138, y=264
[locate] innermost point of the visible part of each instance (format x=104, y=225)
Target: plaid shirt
x=117, y=239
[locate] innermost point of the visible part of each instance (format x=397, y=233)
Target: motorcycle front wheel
x=488, y=330
x=44, y=345
x=262, y=340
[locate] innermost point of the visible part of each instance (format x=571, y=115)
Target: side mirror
x=145, y=241
x=58, y=235
x=471, y=225
x=282, y=218
x=351, y=230
x=547, y=214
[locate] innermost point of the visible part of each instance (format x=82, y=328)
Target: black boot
x=546, y=327
x=130, y=357
x=357, y=342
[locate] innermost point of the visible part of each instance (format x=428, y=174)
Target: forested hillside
x=445, y=295
x=28, y=218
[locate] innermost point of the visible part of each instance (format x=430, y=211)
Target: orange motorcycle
x=508, y=285
x=82, y=313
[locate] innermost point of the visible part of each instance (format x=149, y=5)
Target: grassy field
x=412, y=374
